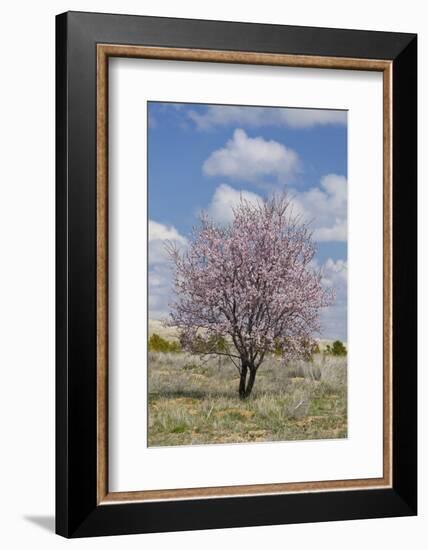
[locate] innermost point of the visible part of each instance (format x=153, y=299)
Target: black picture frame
x=77, y=511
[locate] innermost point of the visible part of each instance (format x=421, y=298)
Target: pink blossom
x=250, y=284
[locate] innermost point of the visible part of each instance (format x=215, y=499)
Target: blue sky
x=207, y=156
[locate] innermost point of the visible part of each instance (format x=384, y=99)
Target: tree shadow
x=45, y=522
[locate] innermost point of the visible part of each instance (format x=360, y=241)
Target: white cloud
x=252, y=159
x=225, y=198
x=335, y=273
x=160, y=290
x=218, y=115
x=334, y=318
x=160, y=269
x=159, y=234
x=325, y=207
x=159, y=231
x=307, y=118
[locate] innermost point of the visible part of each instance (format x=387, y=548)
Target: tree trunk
x=242, y=381
x=250, y=383
x=246, y=386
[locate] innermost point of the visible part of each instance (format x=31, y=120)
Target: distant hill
x=170, y=333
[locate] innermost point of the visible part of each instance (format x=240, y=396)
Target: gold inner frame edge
x=104, y=51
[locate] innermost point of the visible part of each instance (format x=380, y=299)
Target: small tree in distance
x=337, y=349
x=249, y=285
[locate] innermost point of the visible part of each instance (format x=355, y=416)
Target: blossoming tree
x=249, y=288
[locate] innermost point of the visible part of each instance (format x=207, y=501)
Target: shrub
x=337, y=349
x=157, y=343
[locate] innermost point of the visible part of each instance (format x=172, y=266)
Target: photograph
x=247, y=273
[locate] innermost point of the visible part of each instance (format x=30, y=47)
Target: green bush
x=157, y=343
x=337, y=349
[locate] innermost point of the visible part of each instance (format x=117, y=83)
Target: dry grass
x=193, y=401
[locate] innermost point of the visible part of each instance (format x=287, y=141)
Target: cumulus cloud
x=224, y=115
x=159, y=231
x=307, y=118
x=334, y=318
x=159, y=234
x=160, y=269
x=160, y=290
x=326, y=207
x=225, y=198
x=252, y=159
x=335, y=273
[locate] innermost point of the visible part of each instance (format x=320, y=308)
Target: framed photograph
x=236, y=274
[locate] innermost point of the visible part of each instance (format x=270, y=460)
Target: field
x=194, y=401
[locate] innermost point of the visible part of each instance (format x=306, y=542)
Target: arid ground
x=195, y=401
